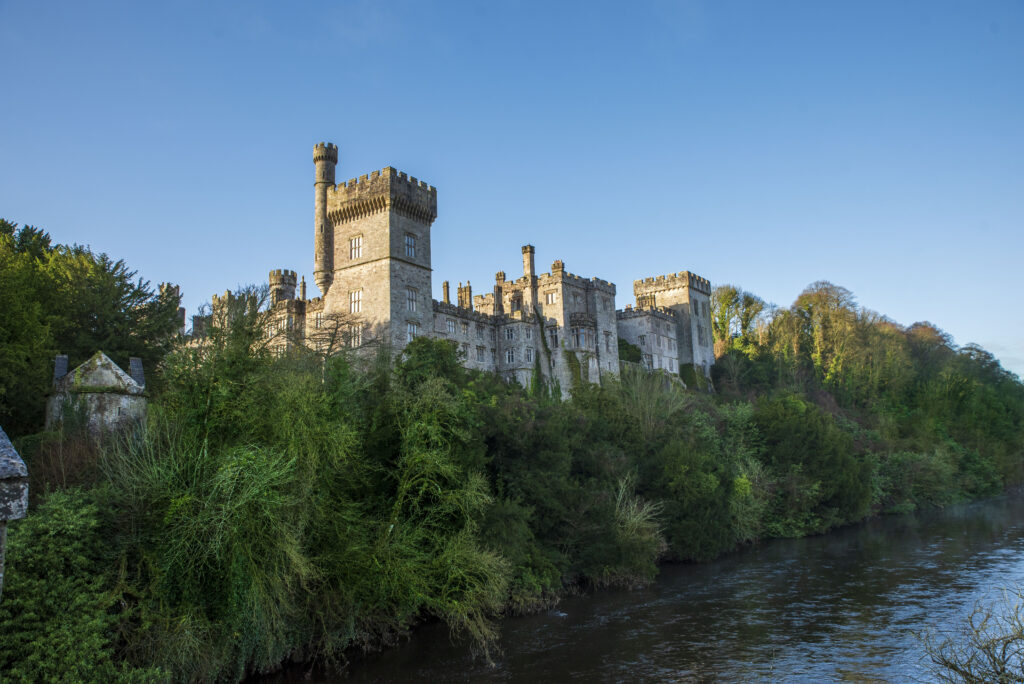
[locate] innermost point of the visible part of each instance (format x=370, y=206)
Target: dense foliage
x=59, y=299
x=289, y=506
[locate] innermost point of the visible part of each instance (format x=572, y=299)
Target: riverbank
x=845, y=605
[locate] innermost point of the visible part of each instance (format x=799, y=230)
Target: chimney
x=444, y=293
x=528, y=269
x=135, y=370
x=60, y=367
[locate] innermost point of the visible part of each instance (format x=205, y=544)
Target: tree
x=987, y=647
x=66, y=299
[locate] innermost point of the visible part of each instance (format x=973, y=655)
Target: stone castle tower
x=372, y=245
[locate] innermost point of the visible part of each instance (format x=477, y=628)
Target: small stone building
x=99, y=392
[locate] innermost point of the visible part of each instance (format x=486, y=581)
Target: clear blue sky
x=878, y=145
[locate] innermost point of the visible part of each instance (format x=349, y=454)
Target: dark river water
x=840, y=607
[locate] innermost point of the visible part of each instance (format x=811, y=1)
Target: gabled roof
x=98, y=374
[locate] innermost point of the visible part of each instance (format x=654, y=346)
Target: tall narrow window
x=355, y=247
x=529, y=355
x=355, y=301
x=553, y=334
x=464, y=327
x=410, y=298
x=319, y=319
x=410, y=245
x=550, y=297
x=510, y=333
x=510, y=355
x=355, y=335
x=607, y=341
x=450, y=326
x=480, y=354
x=411, y=331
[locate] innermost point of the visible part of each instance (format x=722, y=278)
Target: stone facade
x=108, y=397
x=372, y=262
x=689, y=297
x=655, y=332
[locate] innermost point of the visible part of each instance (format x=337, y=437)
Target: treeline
x=939, y=423
x=292, y=506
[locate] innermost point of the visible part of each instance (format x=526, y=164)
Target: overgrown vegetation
x=280, y=507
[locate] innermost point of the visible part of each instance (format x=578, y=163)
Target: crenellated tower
x=325, y=156
x=381, y=275
x=282, y=285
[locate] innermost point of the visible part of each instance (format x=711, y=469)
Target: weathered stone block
x=13, y=481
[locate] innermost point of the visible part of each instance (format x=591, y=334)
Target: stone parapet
x=657, y=312
x=379, y=191
x=672, y=281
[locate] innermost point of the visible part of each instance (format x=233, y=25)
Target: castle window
x=479, y=331
x=355, y=301
x=465, y=350
x=641, y=340
x=464, y=327
x=319, y=319
x=450, y=326
x=510, y=355
x=528, y=333
x=578, y=338
x=291, y=323
x=576, y=299
x=648, y=361
x=607, y=341
x=410, y=245
x=411, y=331
x=410, y=298
x=510, y=333
x=480, y=354
x=672, y=365
x=529, y=355
x=550, y=297
x=553, y=334
x=355, y=335
x=355, y=247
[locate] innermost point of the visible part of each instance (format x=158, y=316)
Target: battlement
x=657, y=312
x=284, y=275
x=571, y=278
x=379, y=190
x=463, y=313
x=325, y=152
x=672, y=281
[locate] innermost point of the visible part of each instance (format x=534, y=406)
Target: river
x=839, y=607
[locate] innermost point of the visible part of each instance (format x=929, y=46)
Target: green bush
x=60, y=613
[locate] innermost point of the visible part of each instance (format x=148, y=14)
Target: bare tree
x=987, y=647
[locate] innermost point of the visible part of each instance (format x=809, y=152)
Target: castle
x=372, y=264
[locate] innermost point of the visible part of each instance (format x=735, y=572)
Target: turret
x=530, y=273
x=466, y=296
x=444, y=290
x=528, y=268
x=282, y=285
x=499, y=303
x=325, y=156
